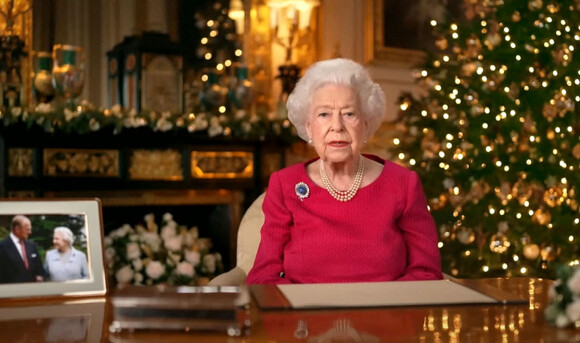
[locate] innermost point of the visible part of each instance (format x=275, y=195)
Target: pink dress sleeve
x=269, y=264
x=420, y=234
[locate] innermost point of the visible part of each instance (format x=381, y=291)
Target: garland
x=86, y=118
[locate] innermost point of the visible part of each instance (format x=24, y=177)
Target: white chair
x=248, y=241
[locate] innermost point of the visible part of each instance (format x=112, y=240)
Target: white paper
x=377, y=294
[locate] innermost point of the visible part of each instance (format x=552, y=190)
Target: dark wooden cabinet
x=140, y=168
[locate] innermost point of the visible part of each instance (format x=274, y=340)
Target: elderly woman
x=344, y=216
x=64, y=262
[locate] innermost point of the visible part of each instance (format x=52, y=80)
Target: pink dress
x=384, y=233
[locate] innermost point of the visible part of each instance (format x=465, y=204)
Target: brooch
x=302, y=190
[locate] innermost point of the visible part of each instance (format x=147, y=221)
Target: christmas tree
x=495, y=137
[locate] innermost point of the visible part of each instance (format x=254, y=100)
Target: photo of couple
x=57, y=258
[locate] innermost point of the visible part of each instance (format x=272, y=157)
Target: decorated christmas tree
x=495, y=137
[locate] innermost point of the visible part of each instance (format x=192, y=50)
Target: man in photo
x=19, y=257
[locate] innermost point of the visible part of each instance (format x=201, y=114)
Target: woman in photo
x=64, y=262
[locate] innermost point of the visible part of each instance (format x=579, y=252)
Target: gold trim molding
x=20, y=162
x=222, y=164
x=156, y=165
x=81, y=162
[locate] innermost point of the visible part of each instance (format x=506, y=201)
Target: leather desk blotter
x=377, y=294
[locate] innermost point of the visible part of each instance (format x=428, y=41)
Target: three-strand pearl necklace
x=352, y=190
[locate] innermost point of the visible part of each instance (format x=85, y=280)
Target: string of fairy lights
x=496, y=138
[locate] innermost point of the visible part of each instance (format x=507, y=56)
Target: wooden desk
x=480, y=323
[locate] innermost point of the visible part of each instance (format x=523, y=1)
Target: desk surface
x=89, y=322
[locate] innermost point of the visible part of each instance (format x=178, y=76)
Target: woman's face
x=59, y=242
x=335, y=124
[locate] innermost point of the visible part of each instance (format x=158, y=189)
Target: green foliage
x=86, y=119
x=495, y=138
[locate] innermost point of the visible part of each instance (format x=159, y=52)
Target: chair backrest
x=249, y=235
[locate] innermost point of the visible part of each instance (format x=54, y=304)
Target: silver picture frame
x=87, y=213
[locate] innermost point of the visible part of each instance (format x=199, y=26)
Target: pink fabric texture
x=384, y=233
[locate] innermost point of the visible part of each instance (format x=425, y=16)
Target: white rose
x=110, y=254
x=169, y=230
x=574, y=282
x=138, y=279
x=193, y=257
x=149, y=218
x=139, y=228
x=167, y=217
x=185, y=268
x=188, y=239
x=94, y=125
x=573, y=311
x=137, y=264
x=155, y=269
x=173, y=243
x=173, y=258
x=121, y=232
x=124, y=275
x=152, y=240
x=210, y=263
x=552, y=293
x=562, y=321
x=108, y=241
x=133, y=251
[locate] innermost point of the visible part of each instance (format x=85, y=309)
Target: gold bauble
x=553, y=7
x=531, y=251
x=576, y=151
x=445, y=233
x=526, y=239
x=441, y=43
x=535, y=5
x=554, y=196
x=469, y=68
x=516, y=16
x=429, y=144
x=492, y=40
x=549, y=252
x=473, y=46
x=465, y=236
x=438, y=203
x=542, y=217
x=504, y=191
x=550, y=111
x=499, y=244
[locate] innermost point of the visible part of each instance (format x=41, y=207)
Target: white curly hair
x=66, y=233
x=339, y=71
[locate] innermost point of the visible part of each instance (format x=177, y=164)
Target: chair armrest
x=233, y=277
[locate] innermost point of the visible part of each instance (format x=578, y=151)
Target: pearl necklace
x=352, y=190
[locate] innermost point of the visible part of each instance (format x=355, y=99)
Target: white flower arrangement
x=564, y=294
x=147, y=255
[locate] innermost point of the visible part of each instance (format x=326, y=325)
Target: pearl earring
x=310, y=141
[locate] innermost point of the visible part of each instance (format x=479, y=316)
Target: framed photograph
x=51, y=248
x=399, y=32
x=66, y=322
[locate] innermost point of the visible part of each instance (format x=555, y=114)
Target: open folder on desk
x=377, y=294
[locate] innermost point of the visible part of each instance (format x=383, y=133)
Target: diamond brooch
x=302, y=190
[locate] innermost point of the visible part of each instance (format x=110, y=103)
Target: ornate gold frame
x=375, y=50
